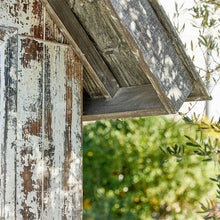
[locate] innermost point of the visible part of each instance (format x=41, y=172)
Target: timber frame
x=127, y=47
x=65, y=61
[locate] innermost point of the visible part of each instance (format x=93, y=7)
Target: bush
x=125, y=177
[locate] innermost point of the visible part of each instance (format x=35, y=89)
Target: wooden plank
x=49, y=158
x=40, y=117
x=40, y=128
x=82, y=45
x=30, y=18
x=199, y=91
x=91, y=85
x=134, y=101
x=8, y=121
x=30, y=136
x=166, y=72
x=115, y=50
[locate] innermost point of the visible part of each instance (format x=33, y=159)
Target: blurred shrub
x=125, y=177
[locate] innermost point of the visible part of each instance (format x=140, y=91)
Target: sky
x=191, y=34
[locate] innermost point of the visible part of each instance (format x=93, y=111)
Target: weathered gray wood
x=114, y=48
x=8, y=121
x=167, y=72
x=134, y=101
x=40, y=117
x=199, y=91
x=91, y=85
x=83, y=46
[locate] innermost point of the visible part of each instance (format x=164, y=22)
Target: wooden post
x=40, y=118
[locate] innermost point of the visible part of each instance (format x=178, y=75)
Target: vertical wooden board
x=36, y=113
x=49, y=163
x=63, y=184
x=8, y=79
x=29, y=172
x=54, y=127
x=73, y=146
x=2, y=116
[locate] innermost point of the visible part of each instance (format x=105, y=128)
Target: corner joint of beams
x=83, y=46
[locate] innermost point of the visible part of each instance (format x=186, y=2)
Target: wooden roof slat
x=199, y=91
x=166, y=72
x=131, y=45
x=83, y=47
x=135, y=101
x=112, y=44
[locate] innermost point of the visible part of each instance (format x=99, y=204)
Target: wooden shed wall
x=40, y=117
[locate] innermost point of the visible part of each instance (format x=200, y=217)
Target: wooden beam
x=82, y=45
x=8, y=121
x=155, y=51
x=134, y=101
x=111, y=44
x=199, y=91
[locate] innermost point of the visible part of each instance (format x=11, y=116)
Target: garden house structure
x=64, y=61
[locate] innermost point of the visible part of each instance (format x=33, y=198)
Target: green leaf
x=215, y=180
x=162, y=150
x=191, y=45
x=187, y=119
x=206, y=160
x=193, y=142
x=163, y=162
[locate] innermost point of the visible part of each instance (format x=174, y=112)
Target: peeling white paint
x=13, y=14
x=34, y=161
x=8, y=119
x=58, y=103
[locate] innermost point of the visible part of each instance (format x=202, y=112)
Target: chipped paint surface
x=8, y=120
x=40, y=117
x=30, y=18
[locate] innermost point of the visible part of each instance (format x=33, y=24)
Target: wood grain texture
x=83, y=47
x=134, y=101
x=30, y=137
x=40, y=117
x=41, y=133
x=31, y=19
x=199, y=92
x=113, y=47
x=8, y=121
x=167, y=72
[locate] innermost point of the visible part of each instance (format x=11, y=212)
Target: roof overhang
x=134, y=62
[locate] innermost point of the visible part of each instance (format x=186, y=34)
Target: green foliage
x=126, y=175
x=207, y=147
x=205, y=16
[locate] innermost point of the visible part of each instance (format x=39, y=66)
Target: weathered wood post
x=40, y=117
